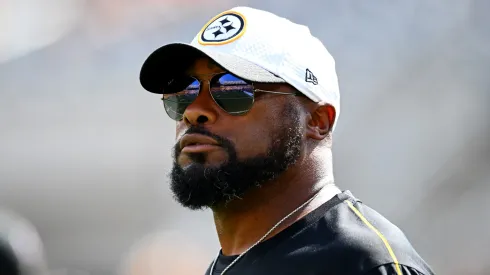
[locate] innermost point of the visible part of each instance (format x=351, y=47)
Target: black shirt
x=341, y=237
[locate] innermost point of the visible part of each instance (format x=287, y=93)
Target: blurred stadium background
x=84, y=150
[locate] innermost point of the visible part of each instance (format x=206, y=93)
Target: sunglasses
x=231, y=93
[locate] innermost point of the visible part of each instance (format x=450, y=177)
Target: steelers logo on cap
x=222, y=29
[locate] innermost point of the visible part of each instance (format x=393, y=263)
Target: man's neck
x=244, y=221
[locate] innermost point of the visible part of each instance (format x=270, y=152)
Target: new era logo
x=309, y=77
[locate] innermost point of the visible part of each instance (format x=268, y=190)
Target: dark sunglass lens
x=186, y=90
x=233, y=94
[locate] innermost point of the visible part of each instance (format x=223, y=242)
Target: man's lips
x=197, y=143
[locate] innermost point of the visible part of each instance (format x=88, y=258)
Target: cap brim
x=172, y=59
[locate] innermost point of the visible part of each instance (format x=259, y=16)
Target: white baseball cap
x=255, y=45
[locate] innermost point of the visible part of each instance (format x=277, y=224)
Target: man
x=256, y=100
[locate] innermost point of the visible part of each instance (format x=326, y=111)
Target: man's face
x=219, y=156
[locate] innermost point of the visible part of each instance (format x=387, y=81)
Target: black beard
x=197, y=187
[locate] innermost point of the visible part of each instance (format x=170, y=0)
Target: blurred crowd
x=84, y=151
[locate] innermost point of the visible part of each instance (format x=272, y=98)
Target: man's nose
x=203, y=110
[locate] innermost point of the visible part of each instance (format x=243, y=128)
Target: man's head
x=244, y=118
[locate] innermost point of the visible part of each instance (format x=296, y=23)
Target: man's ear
x=320, y=122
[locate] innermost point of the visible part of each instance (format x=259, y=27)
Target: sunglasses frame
x=210, y=77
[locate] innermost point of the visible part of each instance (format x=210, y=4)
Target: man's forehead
x=204, y=65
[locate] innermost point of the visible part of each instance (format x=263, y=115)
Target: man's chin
x=195, y=185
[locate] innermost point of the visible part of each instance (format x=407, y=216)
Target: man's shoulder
x=351, y=234
x=366, y=239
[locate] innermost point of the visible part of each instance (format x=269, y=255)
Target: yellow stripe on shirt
x=368, y=224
